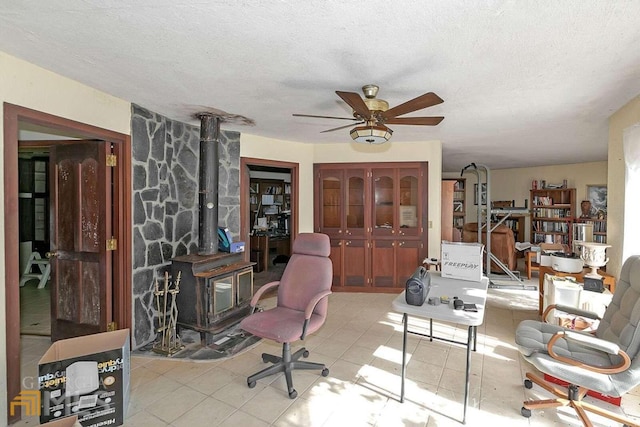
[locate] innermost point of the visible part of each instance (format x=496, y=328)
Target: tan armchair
x=503, y=244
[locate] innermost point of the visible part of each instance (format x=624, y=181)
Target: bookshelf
x=459, y=203
x=515, y=223
x=268, y=199
x=552, y=213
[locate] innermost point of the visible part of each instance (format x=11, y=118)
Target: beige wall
x=29, y=86
x=286, y=151
x=622, y=119
x=514, y=184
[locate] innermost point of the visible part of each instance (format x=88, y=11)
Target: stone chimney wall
x=165, y=157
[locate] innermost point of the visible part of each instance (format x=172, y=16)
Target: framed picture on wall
x=483, y=194
x=597, y=195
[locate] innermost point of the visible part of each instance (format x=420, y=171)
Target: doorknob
x=51, y=254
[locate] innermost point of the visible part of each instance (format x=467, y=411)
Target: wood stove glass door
x=222, y=294
x=245, y=286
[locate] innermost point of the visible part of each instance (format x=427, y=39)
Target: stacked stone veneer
x=165, y=203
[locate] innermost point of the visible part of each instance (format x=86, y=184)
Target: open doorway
x=269, y=219
x=119, y=309
x=35, y=269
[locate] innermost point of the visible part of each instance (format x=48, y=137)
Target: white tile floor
x=361, y=344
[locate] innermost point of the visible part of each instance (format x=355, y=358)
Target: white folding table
x=468, y=292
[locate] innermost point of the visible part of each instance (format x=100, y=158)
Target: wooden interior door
x=81, y=223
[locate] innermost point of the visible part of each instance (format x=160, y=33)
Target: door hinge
x=112, y=244
x=112, y=160
x=112, y=326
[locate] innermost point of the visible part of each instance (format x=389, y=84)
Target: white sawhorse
x=43, y=266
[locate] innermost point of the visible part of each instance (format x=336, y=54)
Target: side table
x=531, y=265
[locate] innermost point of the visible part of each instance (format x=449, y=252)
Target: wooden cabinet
x=446, y=210
x=375, y=215
x=552, y=213
x=453, y=207
x=396, y=203
x=393, y=261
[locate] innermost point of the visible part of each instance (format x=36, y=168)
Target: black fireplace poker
x=208, y=191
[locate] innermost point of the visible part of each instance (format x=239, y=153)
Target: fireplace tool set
x=169, y=342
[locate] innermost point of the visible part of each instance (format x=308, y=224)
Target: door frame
x=245, y=227
x=122, y=263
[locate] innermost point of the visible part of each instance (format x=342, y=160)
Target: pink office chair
x=301, y=307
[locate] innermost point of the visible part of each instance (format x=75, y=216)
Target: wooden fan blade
x=428, y=121
x=342, y=127
x=326, y=117
x=355, y=101
x=423, y=101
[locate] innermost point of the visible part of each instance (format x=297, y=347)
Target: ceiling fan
x=375, y=114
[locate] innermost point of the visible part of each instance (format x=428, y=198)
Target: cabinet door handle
x=339, y=231
x=393, y=231
x=348, y=242
x=401, y=244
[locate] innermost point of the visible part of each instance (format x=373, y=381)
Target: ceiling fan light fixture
x=371, y=134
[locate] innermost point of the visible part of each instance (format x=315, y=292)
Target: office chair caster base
x=528, y=384
x=251, y=384
x=270, y=358
x=293, y=394
x=305, y=354
x=325, y=372
x=525, y=412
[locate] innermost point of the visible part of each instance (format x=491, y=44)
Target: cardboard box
x=87, y=377
x=462, y=260
x=64, y=422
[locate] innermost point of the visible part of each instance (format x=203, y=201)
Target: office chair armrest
x=594, y=343
x=260, y=291
x=570, y=310
x=309, y=310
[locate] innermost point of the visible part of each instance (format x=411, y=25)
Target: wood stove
x=215, y=291
x=215, y=288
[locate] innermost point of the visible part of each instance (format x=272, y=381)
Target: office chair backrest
x=308, y=272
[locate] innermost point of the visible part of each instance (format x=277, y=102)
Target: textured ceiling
x=525, y=83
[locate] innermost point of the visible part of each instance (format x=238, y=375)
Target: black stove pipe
x=208, y=189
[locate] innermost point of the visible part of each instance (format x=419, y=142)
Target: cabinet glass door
x=331, y=200
x=383, y=202
x=409, y=212
x=355, y=206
